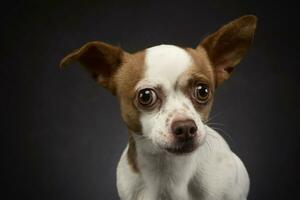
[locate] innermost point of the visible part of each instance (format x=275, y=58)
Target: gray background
x=63, y=135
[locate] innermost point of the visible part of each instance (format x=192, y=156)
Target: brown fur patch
x=201, y=71
x=202, y=67
x=126, y=78
x=131, y=154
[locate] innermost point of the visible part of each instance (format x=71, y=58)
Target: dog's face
x=174, y=97
x=166, y=91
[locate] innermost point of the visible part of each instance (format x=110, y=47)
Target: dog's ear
x=101, y=60
x=227, y=46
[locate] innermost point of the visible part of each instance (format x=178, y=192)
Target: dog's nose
x=184, y=129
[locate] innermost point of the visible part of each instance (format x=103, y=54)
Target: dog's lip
x=182, y=149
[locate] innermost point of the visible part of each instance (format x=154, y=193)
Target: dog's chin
x=182, y=148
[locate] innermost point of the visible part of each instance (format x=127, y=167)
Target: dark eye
x=147, y=97
x=202, y=93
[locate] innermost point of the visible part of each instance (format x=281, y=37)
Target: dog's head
x=166, y=92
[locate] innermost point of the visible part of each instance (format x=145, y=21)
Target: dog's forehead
x=166, y=63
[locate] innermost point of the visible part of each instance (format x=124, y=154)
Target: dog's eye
x=147, y=97
x=201, y=93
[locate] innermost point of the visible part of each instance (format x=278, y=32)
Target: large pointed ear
x=101, y=60
x=227, y=46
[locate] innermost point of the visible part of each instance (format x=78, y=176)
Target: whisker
x=212, y=117
x=209, y=145
x=223, y=132
x=215, y=137
x=208, y=133
x=214, y=123
x=218, y=127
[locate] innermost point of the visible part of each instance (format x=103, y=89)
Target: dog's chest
x=169, y=191
x=165, y=178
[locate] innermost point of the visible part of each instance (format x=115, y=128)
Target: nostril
x=192, y=130
x=179, y=131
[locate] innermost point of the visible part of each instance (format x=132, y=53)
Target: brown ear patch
x=101, y=60
x=226, y=47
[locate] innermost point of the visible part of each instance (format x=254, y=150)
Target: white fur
x=211, y=172
x=164, y=65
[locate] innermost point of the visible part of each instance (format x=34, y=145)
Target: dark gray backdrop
x=63, y=134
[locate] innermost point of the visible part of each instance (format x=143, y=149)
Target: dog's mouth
x=183, y=147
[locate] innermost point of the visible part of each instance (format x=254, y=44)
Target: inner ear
x=101, y=60
x=227, y=46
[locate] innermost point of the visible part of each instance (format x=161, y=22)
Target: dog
x=166, y=94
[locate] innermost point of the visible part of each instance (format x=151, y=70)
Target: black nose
x=185, y=129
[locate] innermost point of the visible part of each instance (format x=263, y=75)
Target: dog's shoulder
x=219, y=169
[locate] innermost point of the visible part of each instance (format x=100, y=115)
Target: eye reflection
x=202, y=93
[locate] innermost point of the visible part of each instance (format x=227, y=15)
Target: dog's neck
x=166, y=176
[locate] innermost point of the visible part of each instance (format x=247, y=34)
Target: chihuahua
x=166, y=94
